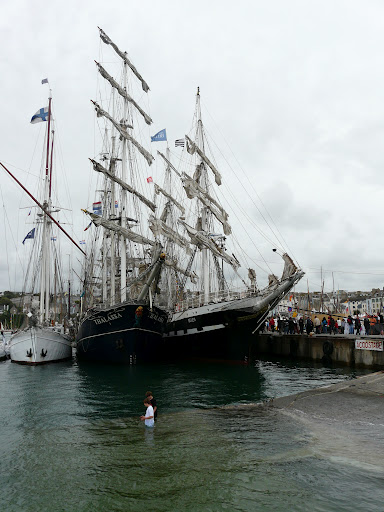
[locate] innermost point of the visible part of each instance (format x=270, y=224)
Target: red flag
x=149, y=179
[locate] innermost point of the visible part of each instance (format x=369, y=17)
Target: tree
x=10, y=295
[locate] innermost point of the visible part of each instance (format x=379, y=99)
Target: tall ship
x=45, y=338
x=215, y=307
x=122, y=322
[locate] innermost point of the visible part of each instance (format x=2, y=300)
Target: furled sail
x=192, y=147
x=169, y=163
x=113, y=226
x=99, y=168
x=252, y=276
x=134, y=262
x=199, y=238
x=272, y=280
x=289, y=267
x=123, y=132
x=123, y=55
x=158, y=227
x=193, y=189
x=192, y=275
x=123, y=93
x=159, y=190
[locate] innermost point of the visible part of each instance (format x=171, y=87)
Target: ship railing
x=198, y=299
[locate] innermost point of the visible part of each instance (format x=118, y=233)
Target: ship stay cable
x=246, y=231
x=124, y=174
x=260, y=231
x=194, y=190
x=234, y=199
x=253, y=188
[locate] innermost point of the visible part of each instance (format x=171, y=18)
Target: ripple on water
x=71, y=440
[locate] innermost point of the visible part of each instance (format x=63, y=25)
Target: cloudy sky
x=294, y=88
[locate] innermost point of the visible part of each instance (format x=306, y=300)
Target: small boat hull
x=40, y=345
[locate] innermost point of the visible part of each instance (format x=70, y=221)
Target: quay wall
x=338, y=349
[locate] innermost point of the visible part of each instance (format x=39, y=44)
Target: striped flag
x=179, y=142
x=97, y=209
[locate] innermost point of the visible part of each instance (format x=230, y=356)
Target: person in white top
x=149, y=417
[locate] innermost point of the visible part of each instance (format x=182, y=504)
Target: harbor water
x=71, y=440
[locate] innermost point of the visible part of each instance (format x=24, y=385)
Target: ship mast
x=114, y=219
x=204, y=211
x=45, y=256
x=123, y=200
x=112, y=234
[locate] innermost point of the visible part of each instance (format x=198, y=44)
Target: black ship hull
x=223, y=331
x=127, y=333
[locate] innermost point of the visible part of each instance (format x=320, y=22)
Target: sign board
x=369, y=345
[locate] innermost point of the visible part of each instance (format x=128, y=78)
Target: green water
x=71, y=440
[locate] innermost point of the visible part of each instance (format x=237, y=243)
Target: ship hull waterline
x=222, y=332
x=122, y=334
x=40, y=345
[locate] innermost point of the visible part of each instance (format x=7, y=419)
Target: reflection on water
x=72, y=440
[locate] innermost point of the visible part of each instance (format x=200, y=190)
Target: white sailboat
x=43, y=340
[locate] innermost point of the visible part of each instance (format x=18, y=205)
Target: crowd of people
x=372, y=324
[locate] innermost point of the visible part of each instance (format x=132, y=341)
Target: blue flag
x=40, y=116
x=161, y=135
x=31, y=234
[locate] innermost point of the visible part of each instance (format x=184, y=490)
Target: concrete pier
x=353, y=401
x=338, y=349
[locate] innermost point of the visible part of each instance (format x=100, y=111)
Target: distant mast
x=123, y=201
x=204, y=210
x=45, y=252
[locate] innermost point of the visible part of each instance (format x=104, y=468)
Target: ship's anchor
x=43, y=354
x=29, y=353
